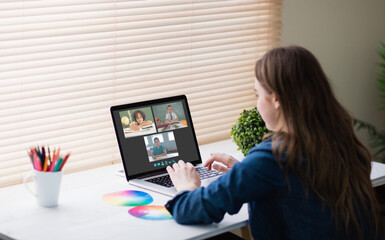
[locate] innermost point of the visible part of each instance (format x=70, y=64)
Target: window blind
x=64, y=63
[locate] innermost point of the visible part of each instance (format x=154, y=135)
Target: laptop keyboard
x=166, y=181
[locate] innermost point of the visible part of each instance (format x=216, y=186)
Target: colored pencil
x=45, y=164
x=37, y=163
x=58, y=165
x=49, y=157
x=64, y=161
x=31, y=158
x=53, y=161
x=42, y=160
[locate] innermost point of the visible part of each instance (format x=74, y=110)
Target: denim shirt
x=277, y=210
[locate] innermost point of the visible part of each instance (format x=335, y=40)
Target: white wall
x=344, y=35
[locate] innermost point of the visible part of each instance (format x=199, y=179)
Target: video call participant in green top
x=158, y=150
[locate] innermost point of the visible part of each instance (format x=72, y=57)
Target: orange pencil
x=53, y=161
x=45, y=164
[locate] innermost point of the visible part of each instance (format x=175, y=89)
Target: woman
x=310, y=179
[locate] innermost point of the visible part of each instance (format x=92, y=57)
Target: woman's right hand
x=225, y=159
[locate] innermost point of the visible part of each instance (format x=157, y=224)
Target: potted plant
x=249, y=130
x=377, y=138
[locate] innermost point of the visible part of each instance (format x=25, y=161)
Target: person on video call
x=171, y=116
x=158, y=150
x=140, y=122
x=309, y=178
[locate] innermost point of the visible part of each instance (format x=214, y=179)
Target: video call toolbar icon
x=164, y=163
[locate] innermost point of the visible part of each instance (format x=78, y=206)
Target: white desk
x=378, y=174
x=82, y=214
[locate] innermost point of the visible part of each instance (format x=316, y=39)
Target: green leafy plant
x=377, y=138
x=248, y=130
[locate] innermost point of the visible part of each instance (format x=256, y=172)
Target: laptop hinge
x=152, y=174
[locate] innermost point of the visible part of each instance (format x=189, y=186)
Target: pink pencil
x=37, y=163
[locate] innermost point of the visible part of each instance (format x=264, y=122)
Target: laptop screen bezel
x=147, y=103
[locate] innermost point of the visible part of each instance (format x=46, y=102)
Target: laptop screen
x=154, y=134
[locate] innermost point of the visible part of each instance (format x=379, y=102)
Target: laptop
x=155, y=134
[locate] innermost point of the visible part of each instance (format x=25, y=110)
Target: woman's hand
x=225, y=159
x=184, y=176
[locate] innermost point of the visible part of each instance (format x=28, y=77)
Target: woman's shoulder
x=260, y=153
x=261, y=162
x=265, y=146
x=264, y=151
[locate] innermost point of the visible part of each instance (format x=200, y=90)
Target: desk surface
x=378, y=174
x=82, y=214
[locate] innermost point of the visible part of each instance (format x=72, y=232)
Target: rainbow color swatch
x=128, y=198
x=150, y=212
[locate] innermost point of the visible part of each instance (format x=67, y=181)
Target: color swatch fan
x=127, y=198
x=150, y=212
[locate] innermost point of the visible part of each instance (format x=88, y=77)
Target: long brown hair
x=320, y=130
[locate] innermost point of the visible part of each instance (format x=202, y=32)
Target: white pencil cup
x=47, y=186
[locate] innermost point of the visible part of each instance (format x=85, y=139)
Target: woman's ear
x=276, y=102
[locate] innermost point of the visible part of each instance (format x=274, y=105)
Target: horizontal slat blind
x=64, y=63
